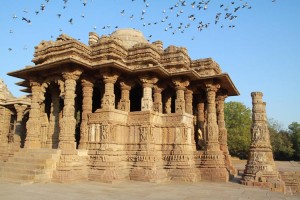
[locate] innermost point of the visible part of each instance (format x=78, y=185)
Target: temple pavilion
x=120, y=108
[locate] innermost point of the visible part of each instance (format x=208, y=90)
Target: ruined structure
x=13, y=115
x=260, y=168
x=122, y=108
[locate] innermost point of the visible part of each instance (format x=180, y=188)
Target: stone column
x=44, y=125
x=72, y=165
x=87, y=106
x=68, y=123
x=20, y=113
x=201, y=121
x=53, y=131
x=157, y=105
x=124, y=103
x=221, y=96
x=213, y=166
x=188, y=97
x=168, y=103
x=33, y=124
x=180, y=86
x=260, y=169
x=108, y=100
x=147, y=101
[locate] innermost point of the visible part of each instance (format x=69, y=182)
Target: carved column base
x=261, y=171
x=213, y=167
x=148, y=167
x=107, y=166
x=181, y=165
x=52, y=144
x=277, y=186
x=149, y=175
x=71, y=168
x=232, y=170
x=67, y=147
x=32, y=144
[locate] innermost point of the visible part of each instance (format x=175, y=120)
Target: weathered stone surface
x=260, y=169
x=121, y=108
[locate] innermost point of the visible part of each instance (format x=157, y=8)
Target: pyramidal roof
x=4, y=92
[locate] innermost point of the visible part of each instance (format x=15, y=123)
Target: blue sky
x=261, y=53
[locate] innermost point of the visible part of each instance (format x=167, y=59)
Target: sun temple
x=120, y=108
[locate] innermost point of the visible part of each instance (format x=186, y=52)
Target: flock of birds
x=175, y=19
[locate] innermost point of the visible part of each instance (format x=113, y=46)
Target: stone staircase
x=30, y=166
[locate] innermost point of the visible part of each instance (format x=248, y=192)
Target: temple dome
x=129, y=37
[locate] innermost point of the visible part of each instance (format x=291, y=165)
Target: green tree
x=294, y=130
x=281, y=141
x=238, y=123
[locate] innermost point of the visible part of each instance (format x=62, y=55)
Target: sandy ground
x=133, y=190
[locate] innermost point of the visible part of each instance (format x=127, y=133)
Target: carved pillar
x=87, y=106
x=33, y=124
x=212, y=126
x=221, y=96
x=108, y=100
x=44, y=125
x=201, y=121
x=180, y=86
x=53, y=130
x=157, y=105
x=221, y=122
x=188, y=96
x=72, y=165
x=68, y=123
x=260, y=169
x=213, y=166
x=124, y=103
x=19, y=132
x=168, y=103
x=147, y=101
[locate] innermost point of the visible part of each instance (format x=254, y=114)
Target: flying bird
x=27, y=20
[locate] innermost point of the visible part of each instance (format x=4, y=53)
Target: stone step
x=37, y=155
x=30, y=160
x=31, y=165
x=34, y=171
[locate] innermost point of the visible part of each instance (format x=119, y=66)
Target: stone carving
x=213, y=162
x=148, y=132
x=108, y=100
x=260, y=169
x=147, y=82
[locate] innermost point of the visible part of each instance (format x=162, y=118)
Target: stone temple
x=119, y=108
